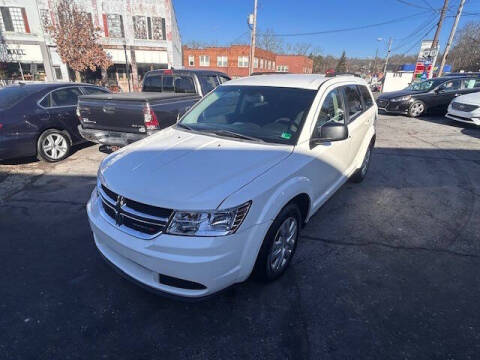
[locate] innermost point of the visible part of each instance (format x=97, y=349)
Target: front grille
x=138, y=219
x=464, y=107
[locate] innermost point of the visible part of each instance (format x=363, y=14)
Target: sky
x=222, y=22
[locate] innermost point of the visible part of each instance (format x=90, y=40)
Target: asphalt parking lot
x=387, y=269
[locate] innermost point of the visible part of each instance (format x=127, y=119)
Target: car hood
x=472, y=99
x=183, y=170
x=395, y=94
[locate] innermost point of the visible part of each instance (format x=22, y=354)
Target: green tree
x=342, y=64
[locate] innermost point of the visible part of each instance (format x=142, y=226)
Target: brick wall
x=296, y=64
x=266, y=59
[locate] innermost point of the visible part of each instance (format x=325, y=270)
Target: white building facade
x=139, y=36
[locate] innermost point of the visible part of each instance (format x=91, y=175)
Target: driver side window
x=450, y=85
x=332, y=110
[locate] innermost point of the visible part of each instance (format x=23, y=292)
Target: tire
x=269, y=267
x=416, y=109
x=53, y=145
x=360, y=174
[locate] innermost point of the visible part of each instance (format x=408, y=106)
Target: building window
x=114, y=26
x=140, y=27
x=58, y=72
x=204, y=60
x=191, y=60
x=282, y=68
x=151, y=28
x=243, y=61
x=14, y=19
x=261, y=63
x=158, y=28
x=222, y=61
x=255, y=62
x=45, y=19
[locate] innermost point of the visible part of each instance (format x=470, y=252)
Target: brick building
x=233, y=60
x=296, y=64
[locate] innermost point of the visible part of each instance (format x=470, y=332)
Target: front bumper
x=465, y=117
x=213, y=262
x=106, y=137
x=394, y=107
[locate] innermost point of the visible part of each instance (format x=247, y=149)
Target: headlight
x=401, y=98
x=208, y=223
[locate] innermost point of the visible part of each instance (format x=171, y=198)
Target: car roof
x=301, y=81
x=48, y=85
x=187, y=71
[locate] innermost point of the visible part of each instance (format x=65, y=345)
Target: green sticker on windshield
x=286, y=135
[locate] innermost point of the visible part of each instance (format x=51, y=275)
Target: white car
x=465, y=108
x=198, y=206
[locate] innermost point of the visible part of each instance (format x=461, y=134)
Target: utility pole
x=375, y=63
x=434, y=46
x=443, y=12
x=450, y=39
x=388, y=56
x=252, y=43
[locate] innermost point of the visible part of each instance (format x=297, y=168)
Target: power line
x=403, y=18
x=420, y=39
x=414, y=34
x=415, y=5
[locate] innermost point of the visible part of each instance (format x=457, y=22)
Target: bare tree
x=76, y=39
x=465, y=53
x=269, y=41
x=301, y=48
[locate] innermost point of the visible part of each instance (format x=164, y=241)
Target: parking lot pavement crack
x=390, y=246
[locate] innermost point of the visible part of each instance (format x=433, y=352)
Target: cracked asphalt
x=387, y=269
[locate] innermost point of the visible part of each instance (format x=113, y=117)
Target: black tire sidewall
x=358, y=176
x=41, y=154
x=262, y=269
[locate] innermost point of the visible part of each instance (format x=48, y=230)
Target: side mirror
x=329, y=132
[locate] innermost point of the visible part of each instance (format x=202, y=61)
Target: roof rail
x=342, y=74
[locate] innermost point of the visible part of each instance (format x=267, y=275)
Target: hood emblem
x=118, y=210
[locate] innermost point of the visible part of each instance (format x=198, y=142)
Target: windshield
x=421, y=86
x=12, y=95
x=264, y=113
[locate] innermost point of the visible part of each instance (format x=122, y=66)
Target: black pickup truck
x=120, y=119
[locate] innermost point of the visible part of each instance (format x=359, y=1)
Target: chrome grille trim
x=129, y=220
x=464, y=107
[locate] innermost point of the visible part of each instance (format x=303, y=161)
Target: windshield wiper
x=223, y=132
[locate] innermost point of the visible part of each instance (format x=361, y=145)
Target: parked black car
x=39, y=119
x=120, y=119
x=429, y=95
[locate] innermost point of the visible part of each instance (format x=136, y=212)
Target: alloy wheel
x=55, y=146
x=417, y=109
x=283, y=244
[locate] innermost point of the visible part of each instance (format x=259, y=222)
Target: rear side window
x=61, y=97
x=353, y=101
x=451, y=85
x=90, y=90
x=471, y=83
x=367, y=98
x=208, y=82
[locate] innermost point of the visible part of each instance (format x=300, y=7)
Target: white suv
x=223, y=193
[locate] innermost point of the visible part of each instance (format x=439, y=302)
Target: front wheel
x=53, y=145
x=360, y=174
x=416, y=109
x=279, y=244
